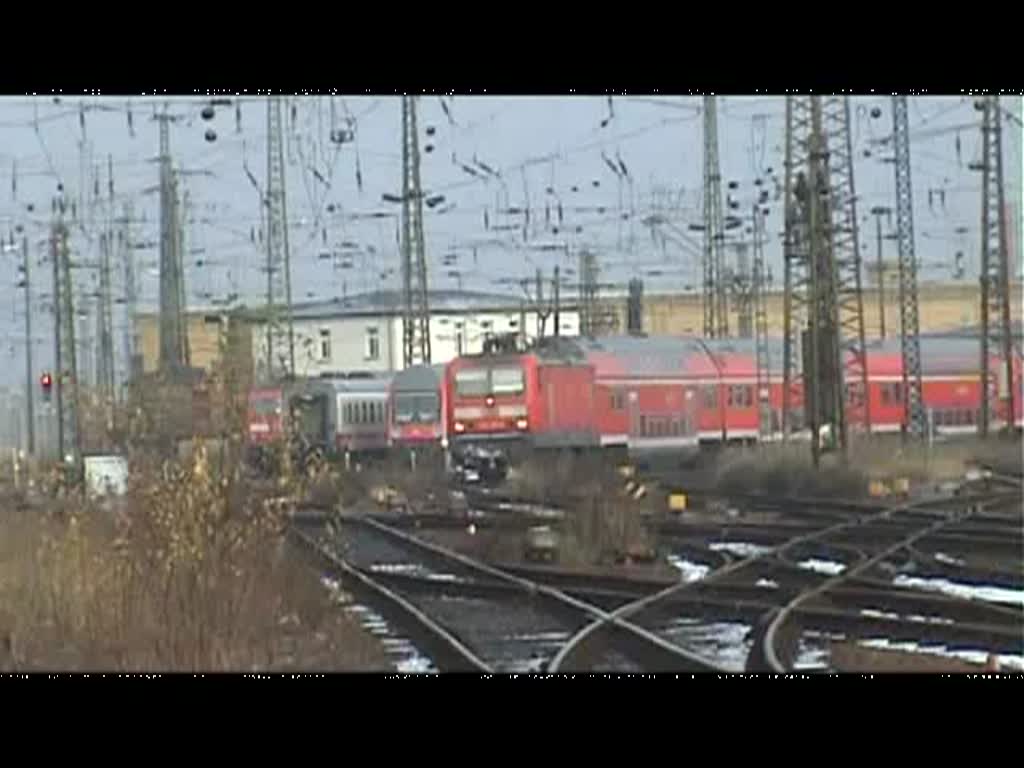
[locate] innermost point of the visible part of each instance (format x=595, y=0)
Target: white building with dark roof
x=364, y=332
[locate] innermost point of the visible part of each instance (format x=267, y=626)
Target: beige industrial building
x=942, y=306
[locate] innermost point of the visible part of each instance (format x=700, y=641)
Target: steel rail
x=782, y=615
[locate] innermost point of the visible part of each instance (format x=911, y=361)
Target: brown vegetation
x=190, y=571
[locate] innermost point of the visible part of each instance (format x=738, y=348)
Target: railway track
x=755, y=597
x=468, y=616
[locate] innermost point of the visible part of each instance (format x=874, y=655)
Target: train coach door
x=637, y=420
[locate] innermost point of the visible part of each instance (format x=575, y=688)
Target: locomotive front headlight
x=490, y=401
x=521, y=423
x=460, y=427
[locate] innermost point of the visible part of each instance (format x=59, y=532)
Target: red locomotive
x=649, y=395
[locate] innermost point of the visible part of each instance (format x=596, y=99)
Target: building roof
x=376, y=303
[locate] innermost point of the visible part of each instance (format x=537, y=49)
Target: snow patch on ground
x=724, y=643
x=872, y=613
x=739, y=548
x=828, y=567
x=944, y=558
x=689, y=571
x=767, y=584
x=1006, y=661
x=412, y=569
x=969, y=591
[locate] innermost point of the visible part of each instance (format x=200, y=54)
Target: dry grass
x=787, y=470
x=189, y=572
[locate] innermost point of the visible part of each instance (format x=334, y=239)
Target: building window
x=372, y=344
x=325, y=344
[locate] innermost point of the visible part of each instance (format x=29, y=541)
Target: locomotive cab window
x=471, y=382
x=507, y=381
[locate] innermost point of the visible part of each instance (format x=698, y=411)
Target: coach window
x=618, y=400
x=372, y=351
x=711, y=396
x=643, y=425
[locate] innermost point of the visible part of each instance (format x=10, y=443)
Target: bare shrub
x=604, y=528
x=189, y=572
x=787, y=470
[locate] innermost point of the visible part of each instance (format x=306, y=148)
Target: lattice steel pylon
x=716, y=298
x=105, y=327
x=846, y=256
x=279, y=325
x=761, y=328
x=996, y=338
x=64, y=330
x=172, y=336
x=823, y=276
x=796, y=287
x=910, y=340
x=416, y=318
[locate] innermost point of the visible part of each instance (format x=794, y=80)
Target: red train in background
x=634, y=395
x=649, y=395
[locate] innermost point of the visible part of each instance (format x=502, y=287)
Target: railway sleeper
x=993, y=638
x=913, y=603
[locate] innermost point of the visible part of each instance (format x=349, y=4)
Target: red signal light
x=46, y=380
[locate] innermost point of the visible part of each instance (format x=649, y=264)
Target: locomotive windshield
x=265, y=406
x=472, y=382
x=496, y=381
x=417, y=408
x=507, y=381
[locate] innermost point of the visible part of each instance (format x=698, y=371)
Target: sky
x=546, y=151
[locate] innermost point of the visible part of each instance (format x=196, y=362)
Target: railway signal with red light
x=46, y=381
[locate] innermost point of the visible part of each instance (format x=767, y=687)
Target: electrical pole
x=64, y=329
x=878, y=212
x=635, y=308
x=910, y=341
x=761, y=328
x=416, y=320
x=29, y=383
x=127, y=253
x=823, y=280
x=556, y=292
x=172, y=346
x=743, y=290
x=996, y=329
x=851, y=350
x=796, y=291
x=716, y=307
x=105, y=367
x=279, y=280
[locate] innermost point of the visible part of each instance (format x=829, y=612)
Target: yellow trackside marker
x=878, y=489
x=677, y=502
x=901, y=485
x=640, y=492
